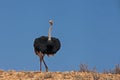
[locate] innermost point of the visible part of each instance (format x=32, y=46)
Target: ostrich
x=46, y=45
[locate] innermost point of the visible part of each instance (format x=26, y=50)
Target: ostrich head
x=50, y=30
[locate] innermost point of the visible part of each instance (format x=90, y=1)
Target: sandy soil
x=72, y=75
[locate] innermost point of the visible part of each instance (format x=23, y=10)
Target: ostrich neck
x=49, y=32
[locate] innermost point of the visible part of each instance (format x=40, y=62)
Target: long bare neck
x=50, y=30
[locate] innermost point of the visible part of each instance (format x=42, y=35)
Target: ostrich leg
x=41, y=56
x=40, y=63
x=41, y=59
x=45, y=65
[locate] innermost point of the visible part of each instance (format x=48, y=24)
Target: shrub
x=84, y=68
x=116, y=70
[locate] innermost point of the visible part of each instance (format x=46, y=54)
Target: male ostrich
x=46, y=45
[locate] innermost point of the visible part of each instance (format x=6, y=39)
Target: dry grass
x=83, y=74
x=73, y=75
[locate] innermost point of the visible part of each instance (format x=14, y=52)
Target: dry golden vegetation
x=72, y=75
x=82, y=74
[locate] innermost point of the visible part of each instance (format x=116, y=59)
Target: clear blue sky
x=89, y=31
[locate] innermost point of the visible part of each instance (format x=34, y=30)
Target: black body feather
x=49, y=47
